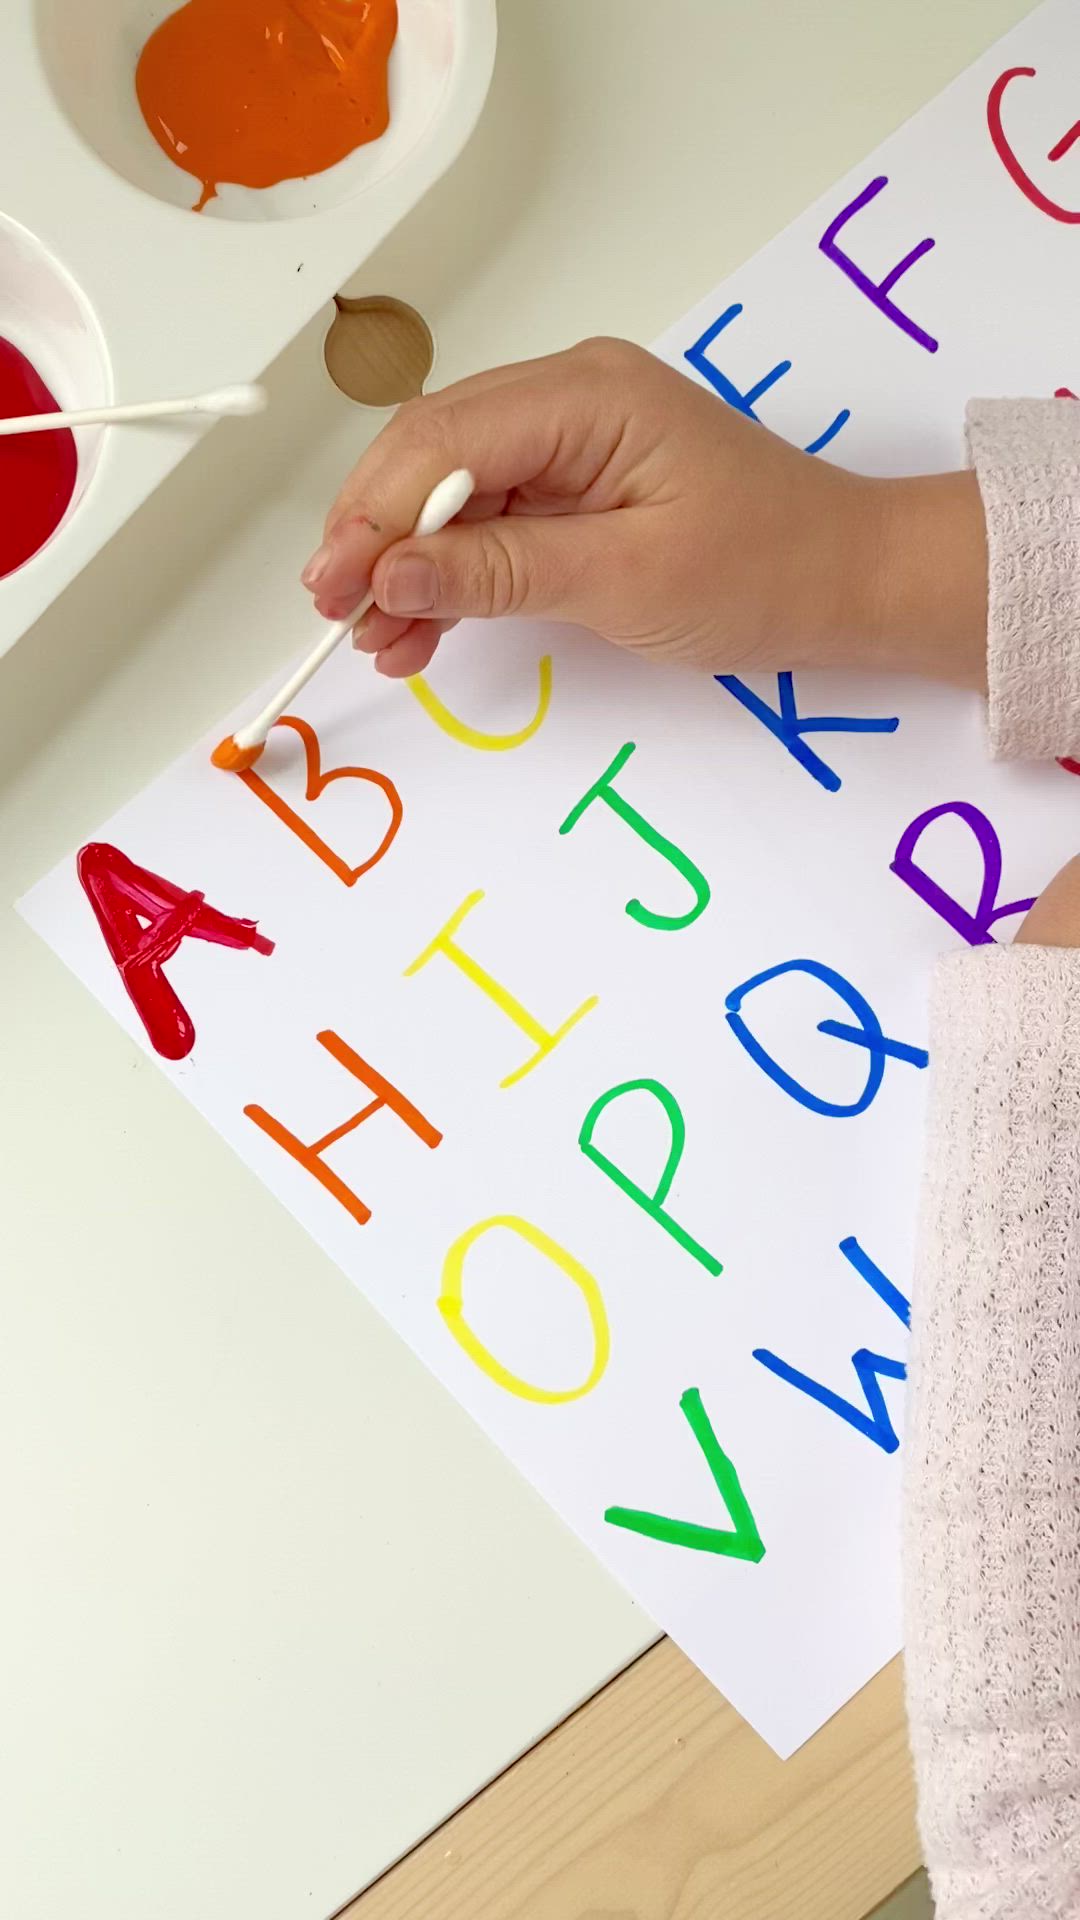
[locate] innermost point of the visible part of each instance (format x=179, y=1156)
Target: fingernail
x=336, y=606
x=317, y=565
x=410, y=585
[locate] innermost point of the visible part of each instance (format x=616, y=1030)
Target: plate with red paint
x=52, y=354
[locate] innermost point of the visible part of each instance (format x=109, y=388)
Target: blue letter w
x=870, y=1368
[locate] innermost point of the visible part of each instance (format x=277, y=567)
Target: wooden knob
x=378, y=351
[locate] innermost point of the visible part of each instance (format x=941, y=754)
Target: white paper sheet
x=693, y=1412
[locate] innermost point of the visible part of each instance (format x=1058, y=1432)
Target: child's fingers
x=368, y=477
x=1054, y=920
x=554, y=420
x=482, y=506
x=369, y=513
x=413, y=651
x=501, y=443
x=378, y=629
x=520, y=565
x=382, y=630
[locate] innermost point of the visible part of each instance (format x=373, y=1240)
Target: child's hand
x=615, y=493
x=1054, y=920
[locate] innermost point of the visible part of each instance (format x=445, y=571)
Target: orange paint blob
x=233, y=759
x=257, y=91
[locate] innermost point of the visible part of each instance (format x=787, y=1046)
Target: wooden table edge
x=654, y=1801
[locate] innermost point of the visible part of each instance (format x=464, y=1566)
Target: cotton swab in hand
x=223, y=400
x=240, y=750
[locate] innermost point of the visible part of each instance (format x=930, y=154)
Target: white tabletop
x=271, y=1606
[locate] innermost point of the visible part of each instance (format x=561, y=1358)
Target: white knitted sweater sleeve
x=1026, y=454
x=992, y=1495
x=992, y=1480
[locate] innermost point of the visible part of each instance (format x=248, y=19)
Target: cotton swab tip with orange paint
x=241, y=749
x=233, y=759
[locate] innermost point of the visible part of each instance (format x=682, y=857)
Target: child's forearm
x=979, y=574
x=931, y=576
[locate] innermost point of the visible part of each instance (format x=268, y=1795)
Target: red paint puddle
x=37, y=470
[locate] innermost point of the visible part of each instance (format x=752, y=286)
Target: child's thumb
x=486, y=569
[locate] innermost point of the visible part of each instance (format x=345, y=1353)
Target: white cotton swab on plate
x=223, y=400
x=240, y=750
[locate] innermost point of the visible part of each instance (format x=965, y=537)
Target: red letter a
x=143, y=919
